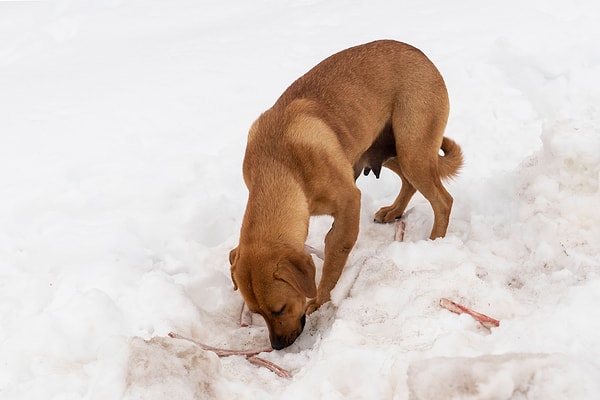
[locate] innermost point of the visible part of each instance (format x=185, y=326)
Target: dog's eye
x=279, y=312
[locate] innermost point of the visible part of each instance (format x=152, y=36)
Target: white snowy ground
x=122, y=131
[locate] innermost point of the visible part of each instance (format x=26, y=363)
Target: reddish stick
x=261, y=362
x=245, y=316
x=399, y=234
x=250, y=354
x=311, y=250
x=222, y=352
x=483, y=319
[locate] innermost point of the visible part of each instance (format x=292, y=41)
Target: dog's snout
x=278, y=344
x=283, y=341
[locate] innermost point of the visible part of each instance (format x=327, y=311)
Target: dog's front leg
x=338, y=243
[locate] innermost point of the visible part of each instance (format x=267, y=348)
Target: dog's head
x=275, y=285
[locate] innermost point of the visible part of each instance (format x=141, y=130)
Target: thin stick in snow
x=311, y=250
x=245, y=316
x=483, y=319
x=221, y=352
x=400, y=227
x=250, y=354
x=261, y=362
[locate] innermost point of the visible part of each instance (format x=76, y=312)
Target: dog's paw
x=387, y=214
x=312, y=306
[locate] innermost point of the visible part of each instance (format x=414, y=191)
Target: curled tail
x=450, y=163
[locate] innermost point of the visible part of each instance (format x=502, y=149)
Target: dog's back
x=359, y=89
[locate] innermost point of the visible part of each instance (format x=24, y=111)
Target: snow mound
x=500, y=377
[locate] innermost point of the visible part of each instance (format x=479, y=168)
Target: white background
x=122, y=132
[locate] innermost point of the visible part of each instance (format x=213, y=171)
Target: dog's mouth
x=283, y=341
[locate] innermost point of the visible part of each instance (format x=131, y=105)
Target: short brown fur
x=382, y=103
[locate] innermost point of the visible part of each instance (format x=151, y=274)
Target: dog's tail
x=450, y=163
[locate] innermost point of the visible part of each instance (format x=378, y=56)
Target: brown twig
x=400, y=228
x=261, y=362
x=483, y=319
x=249, y=354
x=221, y=352
x=245, y=316
x=311, y=250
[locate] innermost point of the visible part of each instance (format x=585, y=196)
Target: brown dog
x=381, y=103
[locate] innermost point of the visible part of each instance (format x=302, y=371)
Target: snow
x=122, y=132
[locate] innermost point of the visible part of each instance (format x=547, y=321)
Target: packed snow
x=122, y=133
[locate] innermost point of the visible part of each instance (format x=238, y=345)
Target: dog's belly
x=381, y=150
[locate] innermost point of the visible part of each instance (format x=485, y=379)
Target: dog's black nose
x=280, y=342
x=277, y=344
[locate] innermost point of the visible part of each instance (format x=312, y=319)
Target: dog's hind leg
x=396, y=209
x=419, y=124
x=422, y=171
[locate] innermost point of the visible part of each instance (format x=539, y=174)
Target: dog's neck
x=277, y=211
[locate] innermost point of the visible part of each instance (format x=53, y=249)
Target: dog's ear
x=233, y=255
x=298, y=270
x=232, y=259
